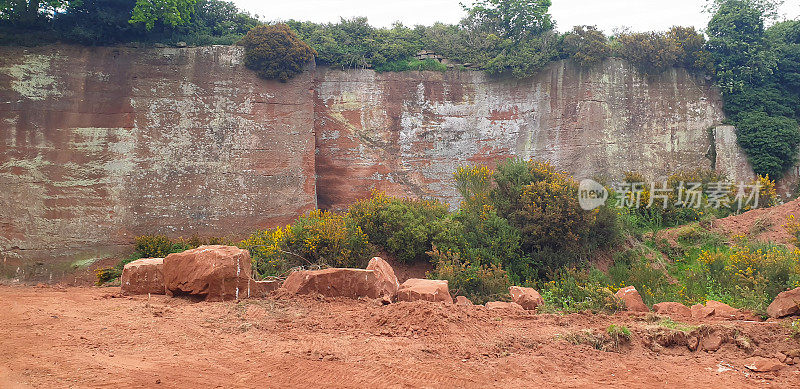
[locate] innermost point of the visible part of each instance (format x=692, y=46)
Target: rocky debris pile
x=631, y=299
x=143, y=276
x=785, y=304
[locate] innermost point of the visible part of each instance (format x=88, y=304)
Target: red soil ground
x=92, y=337
x=763, y=224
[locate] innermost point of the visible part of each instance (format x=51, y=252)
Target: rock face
x=631, y=299
x=101, y=144
x=785, y=304
x=672, y=308
x=335, y=282
x=527, y=298
x=427, y=290
x=260, y=289
x=387, y=280
x=143, y=276
x=216, y=273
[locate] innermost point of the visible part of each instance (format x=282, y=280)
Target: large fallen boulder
x=335, y=282
x=427, y=290
x=672, y=309
x=631, y=299
x=785, y=304
x=215, y=273
x=143, y=276
x=387, y=280
x=527, y=298
x=700, y=311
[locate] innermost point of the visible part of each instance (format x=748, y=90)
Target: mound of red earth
x=771, y=222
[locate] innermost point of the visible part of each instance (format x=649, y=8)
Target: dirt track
x=91, y=337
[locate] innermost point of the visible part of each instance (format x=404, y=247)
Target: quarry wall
x=98, y=145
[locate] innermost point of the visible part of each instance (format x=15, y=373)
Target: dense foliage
x=758, y=70
x=108, y=22
x=275, y=52
x=319, y=238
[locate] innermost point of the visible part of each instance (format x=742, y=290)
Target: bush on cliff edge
x=275, y=52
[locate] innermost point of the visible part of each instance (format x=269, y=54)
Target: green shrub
x=651, y=52
x=574, y=290
x=275, y=52
x=319, y=238
x=411, y=64
x=770, y=141
x=586, y=45
x=403, y=227
x=479, y=283
x=153, y=246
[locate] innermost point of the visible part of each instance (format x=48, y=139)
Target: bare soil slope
x=763, y=224
x=92, y=337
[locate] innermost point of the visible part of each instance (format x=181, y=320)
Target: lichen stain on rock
x=31, y=78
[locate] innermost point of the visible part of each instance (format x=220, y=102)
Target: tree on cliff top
x=169, y=12
x=275, y=52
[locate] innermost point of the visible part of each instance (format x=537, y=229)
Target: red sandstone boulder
x=216, y=273
x=700, y=311
x=427, y=290
x=504, y=305
x=143, y=276
x=723, y=310
x=461, y=300
x=672, y=309
x=763, y=365
x=785, y=304
x=335, y=282
x=260, y=289
x=631, y=299
x=387, y=281
x=527, y=298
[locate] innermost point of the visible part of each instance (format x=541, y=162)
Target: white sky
x=638, y=15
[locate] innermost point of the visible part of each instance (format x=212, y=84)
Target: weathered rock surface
x=335, y=282
x=785, y=304
x=763, y=365
x=261, y=289
x=504, y=305
x=462, y=300
x=723, y=310
x=415, y=289
x=143, y=276
x=387, y=280
x=102, y=144
x=672, y=308
x=631, y=299
x=700, y=311
x=216, y=273
x=527, y=298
